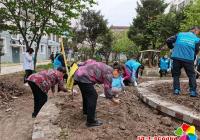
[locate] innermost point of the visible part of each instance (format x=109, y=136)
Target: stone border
x=44, y=127
x=170, y=108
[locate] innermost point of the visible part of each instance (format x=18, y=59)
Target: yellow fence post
x=64, y=56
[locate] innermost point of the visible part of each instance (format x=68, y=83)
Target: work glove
x=135, y=83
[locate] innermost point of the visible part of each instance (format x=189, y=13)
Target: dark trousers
x=163, y=72
x=40, y=98
x=126, y=82
x=89, y=96
x=27, y=74
x=189, y=69
x=198, y=69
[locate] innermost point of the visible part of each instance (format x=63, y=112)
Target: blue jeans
x=189, y=69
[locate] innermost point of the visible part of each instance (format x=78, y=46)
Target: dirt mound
x=11, y=85
x=15, y=113
x=128, y=120
x=165, y=90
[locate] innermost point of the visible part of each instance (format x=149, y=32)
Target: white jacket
x=28, y=62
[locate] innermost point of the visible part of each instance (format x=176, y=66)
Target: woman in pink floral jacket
x=88, y=74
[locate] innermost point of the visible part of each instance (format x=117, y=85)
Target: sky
x=118, y=12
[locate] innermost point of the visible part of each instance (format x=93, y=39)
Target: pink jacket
x=96, y=72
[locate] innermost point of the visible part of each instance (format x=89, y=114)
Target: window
x=14, y=36
x=42, y=49
x=2, y=45
x=181, y=5
x=23, y=49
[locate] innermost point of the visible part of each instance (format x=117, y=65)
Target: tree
x=123, y=44
x=106, y=42
x=35, y=18
x=192, y=12
x=139, y=31
x=77, y=36
x=1, y=51
x=164, y=26
x=93, y=25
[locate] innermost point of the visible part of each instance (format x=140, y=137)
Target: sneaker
x=176, y=92
x=33, y=115
x=193, y=94
x=26, y=84
x=95, y=123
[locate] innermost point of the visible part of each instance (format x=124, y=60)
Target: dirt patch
x=16, y=105
x=11, y=85
x=128, y=120
x=165, y=90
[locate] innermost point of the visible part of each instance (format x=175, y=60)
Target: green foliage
x=34, y=18
x=140, y=32
x=192, y=14
x=106, y=41
x=123, y=44
x=93, y=25
x=164, y=26
x=45, y=67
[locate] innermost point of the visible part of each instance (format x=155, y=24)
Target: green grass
x=44, y=67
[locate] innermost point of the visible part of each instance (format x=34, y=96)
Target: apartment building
x=14, y=47
x=178, y=4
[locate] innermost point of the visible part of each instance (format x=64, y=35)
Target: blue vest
x=164, y=63
x=57, y=63
x=184, y=47
x=132, y=65
x=117, y=82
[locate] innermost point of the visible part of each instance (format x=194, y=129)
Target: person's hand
x=116, y=101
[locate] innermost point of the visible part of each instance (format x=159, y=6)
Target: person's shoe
x=193, y=94
x=33, y=115
x=95, y=123
x=26, y=84
x=176, y=92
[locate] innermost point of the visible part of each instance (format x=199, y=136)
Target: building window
x=14, y=36
x=181, y=5
x=24, y=49
x=2, y=46
x=49, y=37
x=42, y=49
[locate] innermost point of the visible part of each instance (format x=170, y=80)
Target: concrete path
x=170, y=108
x=17, y=68
x=45, y=127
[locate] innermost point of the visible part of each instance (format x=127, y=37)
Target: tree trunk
x=115, y=57
x=107, y=57
x=93, y=49
x=36, y=51
x=150, y=59
x=35, y=57
x=0, y=62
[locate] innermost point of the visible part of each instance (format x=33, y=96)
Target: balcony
x=16, y=43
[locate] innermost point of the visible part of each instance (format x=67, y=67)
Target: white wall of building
x=46, y=47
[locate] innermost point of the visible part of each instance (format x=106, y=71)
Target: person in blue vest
x=58, y=61
x=198, y=67
x=134, y=67
x=164, y=65
x=185, y=47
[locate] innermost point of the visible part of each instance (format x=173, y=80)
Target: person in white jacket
x=28, y=63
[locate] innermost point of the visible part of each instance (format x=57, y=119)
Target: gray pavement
x=17, y=68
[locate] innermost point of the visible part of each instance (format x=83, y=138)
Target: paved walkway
x=168, y=107
x=17, y=68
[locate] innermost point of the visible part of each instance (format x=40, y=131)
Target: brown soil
x=128, y=120
x=15, y=113
x=165, y=90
